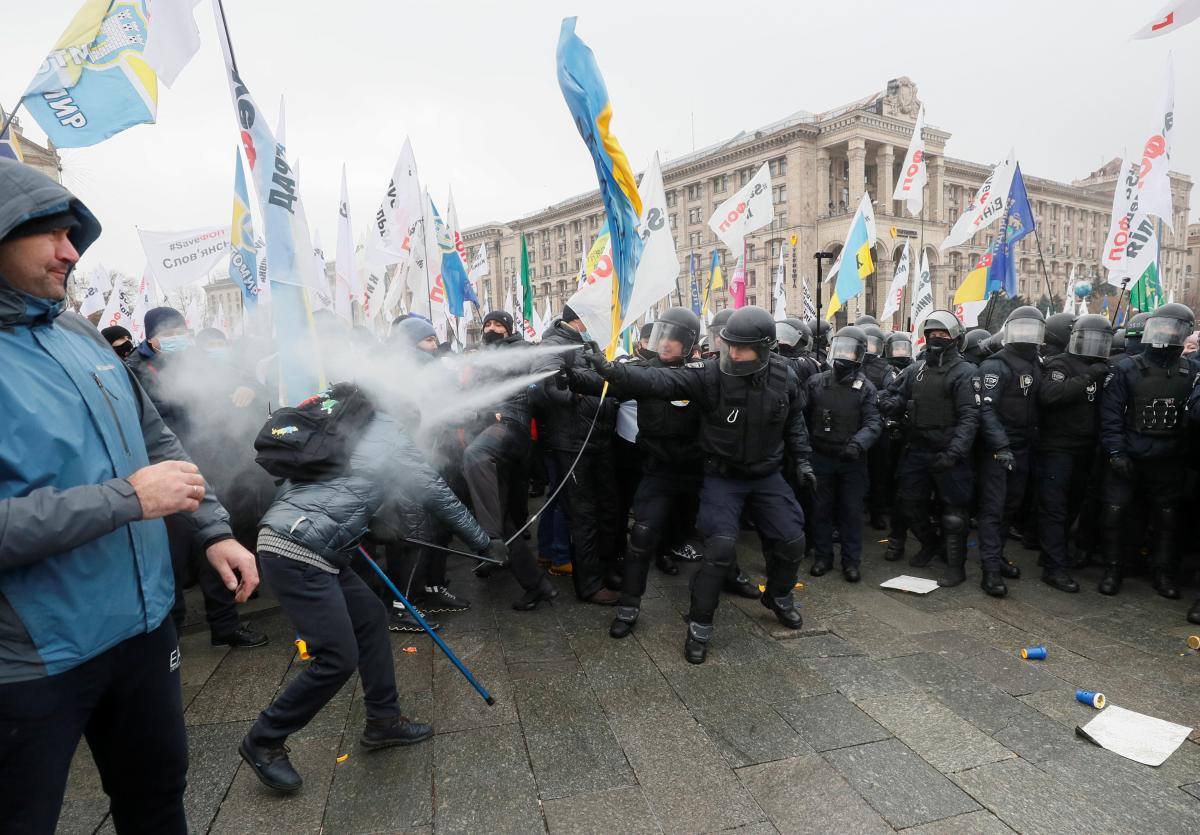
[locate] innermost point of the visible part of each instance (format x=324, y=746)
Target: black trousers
x=126, y=703
x=1161, y=482
x=591, y=493
x=1001, y=492
x=840, y=490
x=662, y=501
x=1063, y=480
x=345, y=627
x=916, y=480
x=187, y=564
x=880, y=466
x=493, y=466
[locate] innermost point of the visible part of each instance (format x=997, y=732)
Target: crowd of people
x=1075, y=438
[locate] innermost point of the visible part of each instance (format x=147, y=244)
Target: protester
x=88, y=471
x=120, y=339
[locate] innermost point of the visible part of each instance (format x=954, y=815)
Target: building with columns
x=820, y=165
x=44, y=159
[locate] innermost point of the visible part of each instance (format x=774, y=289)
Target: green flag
x=1147, y=293
x=526, y=285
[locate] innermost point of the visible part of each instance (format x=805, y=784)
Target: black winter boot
x=270, y=764
x=785, y=609
x=395, y=730
x=623, y=623
x=695, y=646
x=993, y=584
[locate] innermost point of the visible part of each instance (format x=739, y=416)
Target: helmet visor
x=670, y=341
x=874, y=344
x=743, y=360
x=1094, y=344
x=899, y=349
x=846, y=348
x=786, y=334
x=1164, y=331
x=1024, y=332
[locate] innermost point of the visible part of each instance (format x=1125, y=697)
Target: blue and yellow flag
x=995, y=271
x=95, y=81
x=243, y=271
x=583, y=89
x=453, y=272
x=856, y=261
x=10, y=146
x=695, y=287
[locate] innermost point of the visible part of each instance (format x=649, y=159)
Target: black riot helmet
x=748, y=327
x=820, y=331
x=874, y=339
x=806, y=337
x=1058, y=331
x=849, y=344
x=865, y=319
x=972, y=347
x=674, y=334
x=1118, y=343
x=1133, y=333
x=898, y=347
x=787, y=335
x=942, y=320
x=1025, y=326
x=714, y=329
x=1091, y=336
x=1168, y=326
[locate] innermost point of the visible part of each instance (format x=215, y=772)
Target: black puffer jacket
x=330, y=517
x=567, y=416
x=515, y=406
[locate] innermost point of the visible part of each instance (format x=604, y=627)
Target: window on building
x=776, y=245
x=750, y=252
x=546, y=274
x=694, y=239
x=532, y=253
x=751, y=279
x=672, y=197
x=779, y=194
x=695, y=191
x=694, y=215
x=562, y=248
x=673, y=219
x=578, y=245
x=720, y=183
x=745, y=176
x=576, y=227
x=778, y=166
x=561, y=230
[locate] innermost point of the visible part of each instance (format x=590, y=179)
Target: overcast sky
x=473, y=84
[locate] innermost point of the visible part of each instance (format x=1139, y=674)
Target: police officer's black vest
x=1157, y=404
x=668, y=430
x=1070, y=425
x=930, y=401
x=1016, y=403
x=836, y=412
x=875, y=369
x=745, y=430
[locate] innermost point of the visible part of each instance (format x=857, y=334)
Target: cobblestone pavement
x=888, y=711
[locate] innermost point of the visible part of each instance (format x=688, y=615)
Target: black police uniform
x=1069, y=428
x=844, y=424
x=747, y=423
x=1143, y=426
x=1009, y=386
x=879, y=471
x=937, y=399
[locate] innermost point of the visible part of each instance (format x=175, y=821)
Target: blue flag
x=695, y=285
x=1018, y=222
x=242, y=268
x=454, y=279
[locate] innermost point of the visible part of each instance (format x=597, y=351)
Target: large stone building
x=820, y=165
x=44, y=159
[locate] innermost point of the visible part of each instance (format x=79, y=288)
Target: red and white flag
x=1174, y=15
x=910, y=187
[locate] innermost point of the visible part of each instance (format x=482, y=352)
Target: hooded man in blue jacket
x=88, y=470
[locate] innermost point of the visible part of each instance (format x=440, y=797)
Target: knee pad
x=642, y=537
x=791, y=551
x=954, y=521
x=1110, y=516
x=720, y=551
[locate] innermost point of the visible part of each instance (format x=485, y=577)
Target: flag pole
x=8, y=118
x=1120, y=296
x=1041, y=262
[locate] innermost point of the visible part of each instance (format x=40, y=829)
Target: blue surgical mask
x=172, y=344
x=220, y=354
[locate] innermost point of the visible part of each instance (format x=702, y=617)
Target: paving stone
x=356, y=803
x=246, y=679
x=804, y=794
x=822, y=645
x=571, y=747
x=612, y=663
x=482, y=782
x=202, y=658
x=982, y=822
x=414, y=670
x=1007, y=671
x=213, y=761
x=980, y=702
x=526, y=639
x=1193, y=789
x=685, y=780
x=456, y=704
x=896, y=613
x=872, y=637
x=1031, y=801
x=830, y=721
x=250, y=807
x=935, y=732
x=858, y=677
x=749, y=732
x=1127, y=791
x=82, y=817
x=600, y=813
x=901, y=786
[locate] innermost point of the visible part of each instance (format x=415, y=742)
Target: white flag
x=778, y=293
x=1125, y=210
x=895, y=296
x=344, y=272
x=177, y=259
x=1154, y=185
x=1174, y=15
x=750, y=209
x=593, y=300
x=193, y=316
x=143, y=301
x=119, y=310
x=986, y=207
x=914, y=175
x=98, y=284
x=922, y=297
x=810, y=309
x=658, y=268
x=479, y=265
x=456, y=237
x=219, y=322
x=319, y=297
x=1068, y=299
x=172, y=39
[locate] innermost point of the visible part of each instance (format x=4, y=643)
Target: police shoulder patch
x=975, y=382
x=990, y=381
x=1108, y=379
x=1057, y=376
x=694, y=364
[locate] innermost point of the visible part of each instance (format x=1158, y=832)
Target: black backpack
x=313, y=440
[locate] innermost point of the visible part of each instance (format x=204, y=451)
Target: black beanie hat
x=45, y=223
x=569, y=315
x=503, y=317
x=159, y=318
x=112, y=334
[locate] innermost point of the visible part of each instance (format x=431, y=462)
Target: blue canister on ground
x=1090, y=698
x=1033, y=653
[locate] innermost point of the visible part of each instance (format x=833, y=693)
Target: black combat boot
x=993, y=584
x=623, y=623
x=820, y=567
x=956, y=560
x=1110, y=545
x=1060, y=579
x=1194, y=612
x=1009, y=570
x=270, y=764
x=1164, y=584
x=894, y=552
x=742, y=587
x=695, y=647
x=394, y=730
x=666, y=565
x=785, y=609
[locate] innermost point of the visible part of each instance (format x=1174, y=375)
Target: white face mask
x=172, y=344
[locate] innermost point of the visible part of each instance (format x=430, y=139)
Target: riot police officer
x=1058, y=334
x=973, y=350
x=795, y=341
x=1009, y=383
x=898, y=352
x=711, y=346
x=1142, y=430
x=752, y=411
x=844, y=424
x=876, y=369
x=820, y=331
x=864, y=319
x=936, y=397
x=1069, y=427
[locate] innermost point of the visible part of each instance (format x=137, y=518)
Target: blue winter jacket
x=79, y=573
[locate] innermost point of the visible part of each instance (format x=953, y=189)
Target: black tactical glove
x=851, y=453
x=1096, y=371
x=943, y=462
x=496, y=550
x=565, y=378
x=1121, y=465
x=1006, y=458
x=806, y=478
x=594, y=355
